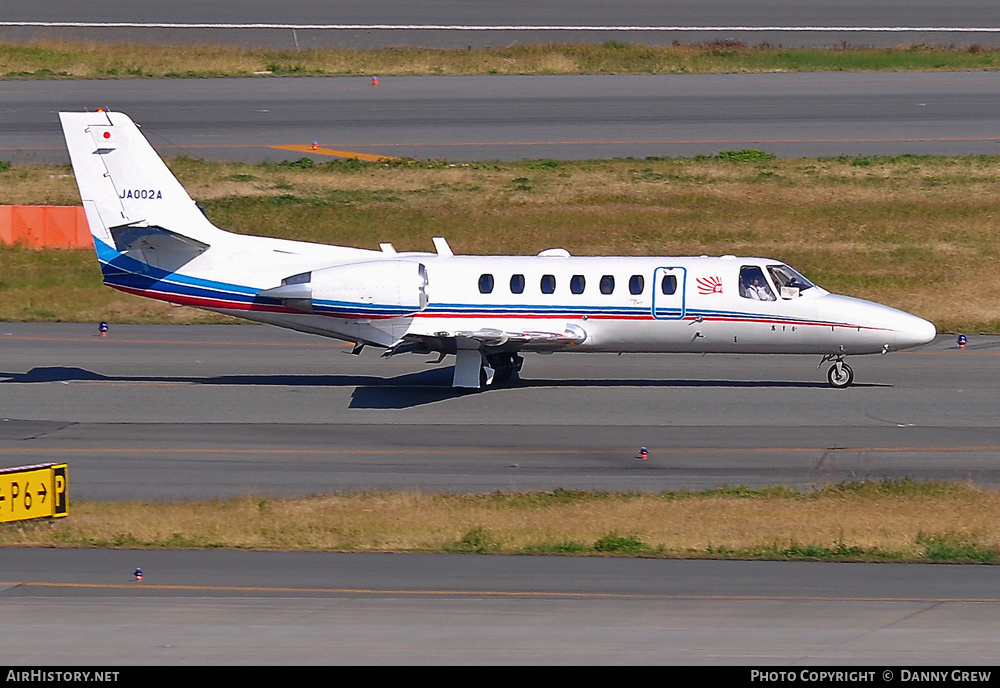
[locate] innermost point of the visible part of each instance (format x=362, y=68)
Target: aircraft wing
x=549, y=337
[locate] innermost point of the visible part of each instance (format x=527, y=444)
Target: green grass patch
x=555, y=548
x=954, y=548
x=800, y=552
x=476, y=541
x=70, y=60
x=746, y=155
x=613, y=543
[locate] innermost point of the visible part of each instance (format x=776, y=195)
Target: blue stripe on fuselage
x=124, y=271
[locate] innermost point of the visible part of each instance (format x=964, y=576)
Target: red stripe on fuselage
x=202, y=302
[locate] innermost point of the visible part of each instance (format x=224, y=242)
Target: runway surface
x=512, y=118
x=195, y=412
x=571, y=13
x=80, y=607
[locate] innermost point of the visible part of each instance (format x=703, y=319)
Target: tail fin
x=124, y=183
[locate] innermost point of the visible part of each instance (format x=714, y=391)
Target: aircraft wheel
x=506, y=366
x=839, y=379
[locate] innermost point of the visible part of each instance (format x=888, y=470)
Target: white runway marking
x=513, y=27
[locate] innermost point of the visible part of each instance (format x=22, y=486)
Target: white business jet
x=152, y=240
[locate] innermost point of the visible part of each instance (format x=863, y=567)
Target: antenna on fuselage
x=442, y=247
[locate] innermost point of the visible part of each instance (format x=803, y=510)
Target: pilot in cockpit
x=753, y=284
x=760, y=290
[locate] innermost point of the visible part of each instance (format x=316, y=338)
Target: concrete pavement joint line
x=513, y=27
x=490, y=452
x=496, y=593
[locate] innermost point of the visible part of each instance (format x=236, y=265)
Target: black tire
x=842, y=380
x=506, y=367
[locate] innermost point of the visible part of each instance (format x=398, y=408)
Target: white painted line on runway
x=512, y=27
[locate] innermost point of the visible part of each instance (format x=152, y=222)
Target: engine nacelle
x=372, y=289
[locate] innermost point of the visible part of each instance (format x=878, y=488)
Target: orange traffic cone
x=315, y=145
x=374, y=81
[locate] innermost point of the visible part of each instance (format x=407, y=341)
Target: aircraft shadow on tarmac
x=402, y=391
x=391, y=395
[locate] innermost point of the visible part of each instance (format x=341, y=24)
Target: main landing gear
x=504, y=365
x=840, y=375
x=475, y=370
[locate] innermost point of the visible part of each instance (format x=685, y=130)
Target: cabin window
x=486, y=284
x=636, y=284
x=753, y=284
x=608, y=284
x=577, y=284
x=668, y=285
x=517, y=284
x=548, y=284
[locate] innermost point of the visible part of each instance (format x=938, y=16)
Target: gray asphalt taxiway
x=929, y=21
x=468, y=118
x=80, y=607
x=184, y=412
x=195, y=412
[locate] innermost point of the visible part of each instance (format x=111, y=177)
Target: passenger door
x=669, y=292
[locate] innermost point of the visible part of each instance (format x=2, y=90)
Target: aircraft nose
x=914, y=331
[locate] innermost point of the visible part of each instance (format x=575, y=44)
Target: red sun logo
x=709, y=285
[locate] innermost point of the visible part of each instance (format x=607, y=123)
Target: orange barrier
x=45, y=226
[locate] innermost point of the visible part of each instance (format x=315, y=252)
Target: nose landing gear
x=840, y=375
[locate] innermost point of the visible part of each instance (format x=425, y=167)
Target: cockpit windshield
x=789, y=282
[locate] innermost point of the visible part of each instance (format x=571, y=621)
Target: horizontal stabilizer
x=155, y=246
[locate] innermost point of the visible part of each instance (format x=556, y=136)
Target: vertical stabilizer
x=123, y=182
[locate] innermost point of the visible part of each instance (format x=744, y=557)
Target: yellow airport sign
x=39, y=491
